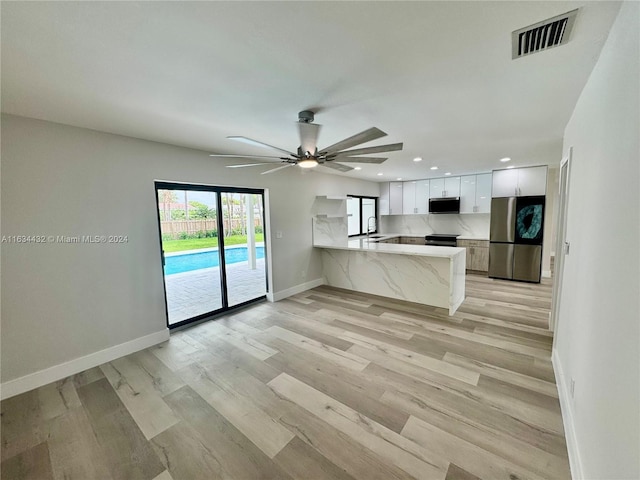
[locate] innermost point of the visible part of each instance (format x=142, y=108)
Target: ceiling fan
x=308, y=155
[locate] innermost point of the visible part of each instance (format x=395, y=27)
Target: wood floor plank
x=219, y=351
x=136, y=391
x=493, y=371
x=386, y=443
x=335, y=355
x=409, y=356
x=510, y=447
x=339, y=448
x=126, y=449
x=232, y=452
x=457, y=473
x=243, y=342
x=74, y=449
x=164, y=381
x=185, y=456
x=22, y=424
x=302, y=461
x=88, y=376
x=474, y=413
x=58, y=398
x=254, y=423
x=349, y=388
x=467, y=455
x=31, y=464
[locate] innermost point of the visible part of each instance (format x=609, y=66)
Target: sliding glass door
x=212, y=249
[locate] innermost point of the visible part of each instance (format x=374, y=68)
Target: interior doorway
x=213, y=249
x=562, y=247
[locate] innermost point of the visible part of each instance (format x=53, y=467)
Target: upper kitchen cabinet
x=390, y=198
x=520, y=182
x=415, y=197
x=444, y=187
x=475, y=193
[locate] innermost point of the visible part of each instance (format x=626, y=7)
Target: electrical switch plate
x=279, y=234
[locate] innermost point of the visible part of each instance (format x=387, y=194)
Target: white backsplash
x=475, y=225
x=328, y=230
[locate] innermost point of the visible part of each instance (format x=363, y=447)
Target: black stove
x=440, y=240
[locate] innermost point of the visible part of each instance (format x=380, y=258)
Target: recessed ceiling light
x=399, y=178
x=448, y=173
x=511, y=166
x=357, y=168
x=505, y=159
x=434, y=168
x=417, y=159
x=379, y=174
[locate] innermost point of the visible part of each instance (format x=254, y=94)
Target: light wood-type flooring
x=327, y=384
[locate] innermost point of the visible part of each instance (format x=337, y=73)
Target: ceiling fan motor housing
x=306, y=116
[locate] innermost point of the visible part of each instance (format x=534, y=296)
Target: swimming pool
x=208, y=259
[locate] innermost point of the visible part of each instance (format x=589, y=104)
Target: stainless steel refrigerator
x=515, y=249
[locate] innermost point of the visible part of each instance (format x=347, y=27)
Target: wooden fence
x=174, y=228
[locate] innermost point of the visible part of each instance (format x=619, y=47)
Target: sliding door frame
x=218, y=190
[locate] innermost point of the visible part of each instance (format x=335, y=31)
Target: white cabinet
x=444, y=187
x=390, y=198
x=422, y=196
x=452, y=187
x=415, y=197
x=532, y=181
x=475, y=193
x=409, y=198
x=519, y=182
x=436, y=188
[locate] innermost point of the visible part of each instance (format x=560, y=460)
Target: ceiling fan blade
x=309, y=136
x=257, y=143
x=357, y=139
x=247, y=165
x=362, y=151
x=362, y=159
x=279, y=168
x=248, y=156
x=336, y=166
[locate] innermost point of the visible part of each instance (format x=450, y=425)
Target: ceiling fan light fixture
x=307, y=163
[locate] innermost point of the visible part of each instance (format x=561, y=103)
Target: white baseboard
x=546, y=273
x=277, y=296
x=77, y=365
x=567, y=419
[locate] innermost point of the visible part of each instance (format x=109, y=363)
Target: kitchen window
x=362, y=214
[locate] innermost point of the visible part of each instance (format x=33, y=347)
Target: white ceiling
x=437, y=76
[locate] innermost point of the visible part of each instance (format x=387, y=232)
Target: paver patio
x=198, y=291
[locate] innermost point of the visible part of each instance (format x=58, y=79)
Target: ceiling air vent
x=543, y=35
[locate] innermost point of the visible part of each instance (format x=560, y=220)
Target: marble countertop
x=372, y=245
x=471, y=237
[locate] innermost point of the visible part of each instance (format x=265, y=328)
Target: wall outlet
x=303, y=274
x=572, y=387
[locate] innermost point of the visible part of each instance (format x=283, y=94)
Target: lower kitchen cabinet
x=477, y=254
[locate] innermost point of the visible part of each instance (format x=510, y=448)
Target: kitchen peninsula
x=417, y=273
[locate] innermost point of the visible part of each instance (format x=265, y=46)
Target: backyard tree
x=200, y=210
x=166, y=198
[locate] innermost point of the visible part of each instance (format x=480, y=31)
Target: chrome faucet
x=374, y=225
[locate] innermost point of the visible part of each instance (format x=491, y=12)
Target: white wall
x=64, y=301
x=598, y=333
